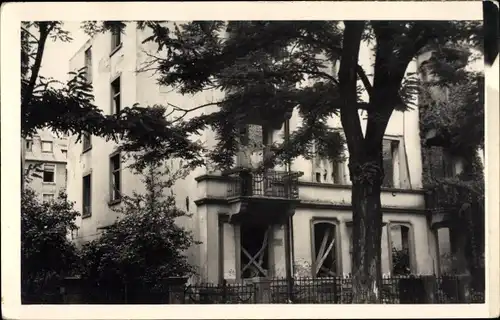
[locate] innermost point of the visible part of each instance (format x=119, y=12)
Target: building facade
x=250, y=225
x=46, y=153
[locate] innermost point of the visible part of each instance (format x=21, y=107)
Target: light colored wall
x=96, y=161
x=302, y=238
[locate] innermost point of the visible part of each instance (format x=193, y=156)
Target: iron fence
x=331, y=290
x=278, y=184
x=327, y=290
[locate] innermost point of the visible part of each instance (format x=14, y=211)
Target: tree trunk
x=367, y=235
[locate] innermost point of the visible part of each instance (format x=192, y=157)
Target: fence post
x=263, y=291
x=176, y=289
x=430, y=286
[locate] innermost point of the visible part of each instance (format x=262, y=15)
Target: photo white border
x=13, y=13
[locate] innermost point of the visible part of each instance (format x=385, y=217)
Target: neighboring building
x=246, y=236
x=46, y=153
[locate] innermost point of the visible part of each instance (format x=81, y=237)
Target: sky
x=55, y=62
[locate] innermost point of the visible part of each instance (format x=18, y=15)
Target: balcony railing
x=449, y=198
x=275, y=184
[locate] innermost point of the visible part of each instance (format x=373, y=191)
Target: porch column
x=385, y=253
x=278, y=251
x=229, y=251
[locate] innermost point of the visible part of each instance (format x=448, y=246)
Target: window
x=400, y=249
x=115, y=166
x=87, y=142
x=88, y=64
x=325, y=262
x=48, y=197
x=116, y=96
x=64, y=153
x=439, y=163
x=390, y=150
x=47, y=146
x=116, y=39
x=87, y=196
x=29, y=145
x=49, y=173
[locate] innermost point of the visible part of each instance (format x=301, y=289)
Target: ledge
x=87, y=150
x=115, y=50
x=313, y=205
x=214, y=177
x=112, y=203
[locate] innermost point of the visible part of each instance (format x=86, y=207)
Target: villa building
x=246, y=223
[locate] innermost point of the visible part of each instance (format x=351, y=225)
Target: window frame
x=112, y=172
x=337, y=245
x=53, y=172
x=411, y=244
x=87, y=212
x=51, y=143
x=86, y=142
x=116, y=41
x=88, y=64
x=400, y=171
x=116, y=96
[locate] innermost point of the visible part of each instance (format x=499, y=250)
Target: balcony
x=270, y=184
x=261, y=197
x=447, y=203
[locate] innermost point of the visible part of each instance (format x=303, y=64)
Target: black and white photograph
x=252, y=161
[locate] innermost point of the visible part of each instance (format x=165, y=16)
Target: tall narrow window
x=64, y=153
x=325, y=260
x=115, y=164
x=390, y=159
x=49, y=175
x=116, y=39
x=88, y=64
x=87, y=196
x=47, y=146
x=400, y=249
x=116, y=96
x=87, y=142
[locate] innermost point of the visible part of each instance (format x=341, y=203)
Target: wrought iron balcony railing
x=275, y=184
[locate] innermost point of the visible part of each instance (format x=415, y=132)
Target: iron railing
x=327, y=290
x=277, y=184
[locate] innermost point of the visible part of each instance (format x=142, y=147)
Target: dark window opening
x=116, y=95
x=400, y=249
x=115, y=163
x=87, y=142
x=88, y=64
x=389, y=148
x=87, y=196
x=116, y=39
x=49, y=173
x=29, y=145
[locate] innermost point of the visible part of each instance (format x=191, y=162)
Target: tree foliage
x=267, y=69
x=46, y=252
x=145, y=244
